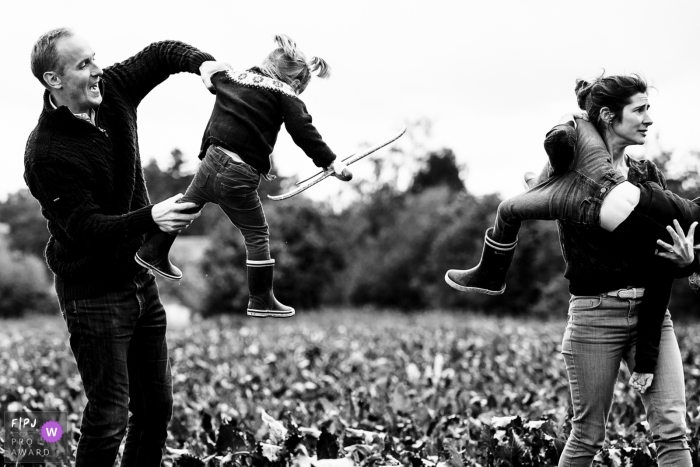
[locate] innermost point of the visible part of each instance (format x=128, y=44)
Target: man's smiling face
x=79, y=74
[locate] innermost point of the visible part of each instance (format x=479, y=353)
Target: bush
x=24, y=285
x=28, y=232
x=305, y=245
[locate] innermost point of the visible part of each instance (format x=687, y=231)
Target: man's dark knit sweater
x=247, y=119
x=88, y=178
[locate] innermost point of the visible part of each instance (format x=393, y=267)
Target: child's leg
x=241, y=204
x=489, y=276
x=558, y=193
x=532, y=204
x=237, y=187
x=154, y=253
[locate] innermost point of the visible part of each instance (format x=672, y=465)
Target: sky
x=492, y=77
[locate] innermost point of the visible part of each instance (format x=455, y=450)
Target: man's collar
x=90, y=118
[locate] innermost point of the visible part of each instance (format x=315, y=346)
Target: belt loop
x=634, y=293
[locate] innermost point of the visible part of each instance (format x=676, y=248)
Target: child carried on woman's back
x=250, y=108
x=580, y=186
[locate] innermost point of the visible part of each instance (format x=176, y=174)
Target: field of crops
x=374, y=388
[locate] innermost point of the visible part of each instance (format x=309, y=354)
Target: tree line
x=387, y=248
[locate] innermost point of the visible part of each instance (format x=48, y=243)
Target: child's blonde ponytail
x=289, y=65
x=320, y=67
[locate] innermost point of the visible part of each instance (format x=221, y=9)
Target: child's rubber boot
x=489, y=276
x=261, y=301
x=153, y=255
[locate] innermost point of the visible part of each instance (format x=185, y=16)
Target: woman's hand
x=681, y=252
x=641, y=381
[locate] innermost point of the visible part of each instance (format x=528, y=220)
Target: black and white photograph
x=350, y=234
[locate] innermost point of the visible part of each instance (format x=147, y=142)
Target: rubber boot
x=489, y=276
x=261, y=301
x=153, y=255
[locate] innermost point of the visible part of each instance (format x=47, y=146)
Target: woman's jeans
x=118, y=341
x=602, y=332
x=233, y=186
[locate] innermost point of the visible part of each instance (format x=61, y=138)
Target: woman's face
x=632, y=127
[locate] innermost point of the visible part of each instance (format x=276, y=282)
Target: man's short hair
x=44, y=57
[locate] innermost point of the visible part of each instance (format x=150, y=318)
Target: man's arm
x=71, y=206
x=144, y=71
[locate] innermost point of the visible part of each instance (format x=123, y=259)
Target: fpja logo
x=35, y=437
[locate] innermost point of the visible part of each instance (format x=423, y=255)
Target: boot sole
x=463, y=288
x=270, y=314
x=154, y=269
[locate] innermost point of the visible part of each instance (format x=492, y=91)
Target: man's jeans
x=118, y=341
x=233, y=186
x=601, y=332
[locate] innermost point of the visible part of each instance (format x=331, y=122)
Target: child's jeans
x=233, y=186
x=574, y=196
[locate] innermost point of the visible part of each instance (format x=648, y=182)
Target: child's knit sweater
x=248, y=114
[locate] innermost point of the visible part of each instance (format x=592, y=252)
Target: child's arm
x=657, y=293
x=663, y=269
x=298, y=123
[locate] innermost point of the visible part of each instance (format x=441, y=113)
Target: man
x=82, y=164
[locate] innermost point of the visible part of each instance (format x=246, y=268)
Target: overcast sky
x=492, y=76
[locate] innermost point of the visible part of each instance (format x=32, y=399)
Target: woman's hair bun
x=583, y=90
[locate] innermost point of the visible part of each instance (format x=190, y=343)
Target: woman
x=605, y=280
x=603, y=322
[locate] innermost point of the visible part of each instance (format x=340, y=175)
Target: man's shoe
x=489, y=276
x=261, y=301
